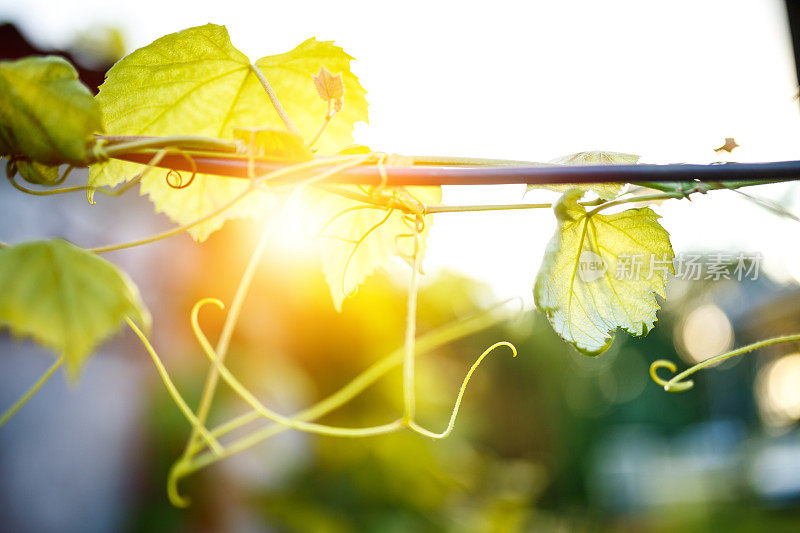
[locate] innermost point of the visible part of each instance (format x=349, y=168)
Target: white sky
x=530, y=80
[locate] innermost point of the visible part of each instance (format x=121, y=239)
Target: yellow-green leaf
x=292, y=78
x=46, y=114
x=601, y=272
x=356, y=239
x=195, y=82
x=65, y=298
x=606, y=191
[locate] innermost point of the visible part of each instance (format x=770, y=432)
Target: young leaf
x=596, y=157
x=195, y=82
x=353, y=244
x=599, y=273
x=329, y=87
x=65, y=298
x=46, y=114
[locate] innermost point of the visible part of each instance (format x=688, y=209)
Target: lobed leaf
x=46, y=114
x=601, y=272
x=65, y=298
x=195, y=82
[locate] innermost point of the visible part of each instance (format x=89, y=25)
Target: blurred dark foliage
x=14, y=45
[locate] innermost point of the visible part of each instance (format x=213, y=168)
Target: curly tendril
x=671, y=385
x=678, y=383
x=451, y=424
x=180, y=184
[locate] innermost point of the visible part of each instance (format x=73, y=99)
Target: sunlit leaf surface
x=601, y=272
x=357, y=240
x=196, y=82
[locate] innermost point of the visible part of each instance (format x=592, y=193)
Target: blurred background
x=549, y=441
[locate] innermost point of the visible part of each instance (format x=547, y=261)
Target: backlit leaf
x=46, y=114
x=65, y=298
x=601, y=272
x=597, y=157
x=195, y=82
x=345, y=262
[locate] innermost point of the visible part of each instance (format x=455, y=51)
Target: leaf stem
x=11, y=411
x=274, y=99
x=321, y=130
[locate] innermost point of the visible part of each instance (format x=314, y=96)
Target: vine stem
x=426, y=343
x=432, y=209
x=260, y=408
x=173, y=390
x=676, y=384
x=274, y=99
x=409, y=394
x=227, y=332
x=170, y=233
x=125, y=144
x=11, y=411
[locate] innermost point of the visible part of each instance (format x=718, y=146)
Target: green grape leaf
x=606, y=191
x=355, y=240
x=46, y=114
x=600, y=272
x=65, y=298
x=195, y=82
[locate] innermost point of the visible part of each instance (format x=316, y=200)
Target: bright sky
x=531, y=80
